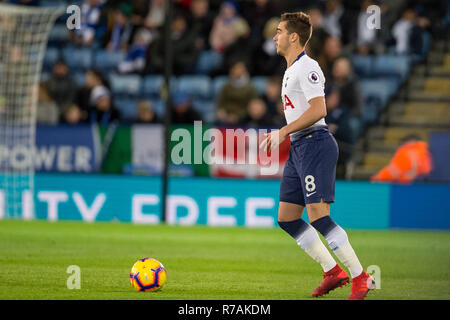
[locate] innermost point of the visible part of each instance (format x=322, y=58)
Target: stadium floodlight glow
x=24, y=31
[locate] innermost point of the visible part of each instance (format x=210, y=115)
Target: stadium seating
x=208, y=61
x=260, y=83
x=371, y=109
x=79, y=78
x=362, y=65
x=197, y=87
x=59, y=35
x=207, y=109
x=159, y=107
x=50, y=57
x=381, y=77
x=377, y=93
x=127, y=108
x=78, y=59
x=391, y=66
x=107, y=61
x=377, y=89
x=381, y=66
x=125, y=86
x=218, y=83
x=151, y=86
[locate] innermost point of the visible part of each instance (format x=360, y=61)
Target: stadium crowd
x=229, y=42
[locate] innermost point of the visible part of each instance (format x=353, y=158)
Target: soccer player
x=310, y=171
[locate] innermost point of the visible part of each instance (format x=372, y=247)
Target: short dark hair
x=300, y=23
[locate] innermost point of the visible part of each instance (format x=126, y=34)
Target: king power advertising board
x=57, y=149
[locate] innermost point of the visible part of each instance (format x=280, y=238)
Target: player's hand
x=273, y=140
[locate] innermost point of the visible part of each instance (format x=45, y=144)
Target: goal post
x=24, y=32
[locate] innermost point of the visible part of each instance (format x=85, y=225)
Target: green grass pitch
x=207, y=263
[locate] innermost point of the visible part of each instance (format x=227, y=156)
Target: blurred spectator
x=201, y=20
x=315, y=44
x=272, y=95
x=330, y=51
x=416, y=42
x=401, y=31
x=156, y=14
x=257, y=13
x=182, y=110
x=332, y=18
x=136, y=57
x=411, y=161
x=241, y=49
x=185, y=52
x=265, y=60
x=93, y=78
x=257, y=115
x=344, y=106
x=228, y=27
x=47, y=110
x=345, y=103
x=72, y=115
x=407, y=32
x=118, y=37
x=139, y=12
x=279, y=119
x=235, y=96
x=366, y=38
x=92, y=23
x=103, y=111
x=184, y=4
x=61, y=86
x=145, y=113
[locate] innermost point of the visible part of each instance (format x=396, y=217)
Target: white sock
x=338, y=241
x=309, y=241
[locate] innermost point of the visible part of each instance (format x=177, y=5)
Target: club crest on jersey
x=313, y=77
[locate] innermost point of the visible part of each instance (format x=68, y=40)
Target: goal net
x=24, y=32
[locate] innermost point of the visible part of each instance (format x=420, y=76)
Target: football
x=148, y=274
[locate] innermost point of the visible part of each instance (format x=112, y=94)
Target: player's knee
x=318, y=210
x=289, y=212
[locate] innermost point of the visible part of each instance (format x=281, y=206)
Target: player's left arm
x=316, y=111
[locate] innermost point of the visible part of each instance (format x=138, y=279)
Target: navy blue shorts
x=310, y=170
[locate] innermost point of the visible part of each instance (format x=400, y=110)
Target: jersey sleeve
x=312, y=82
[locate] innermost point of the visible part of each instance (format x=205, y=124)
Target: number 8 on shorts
x=309, y=183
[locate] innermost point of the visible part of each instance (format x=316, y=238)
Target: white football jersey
x=302, y=81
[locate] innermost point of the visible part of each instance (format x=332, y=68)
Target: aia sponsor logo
x=287, y=102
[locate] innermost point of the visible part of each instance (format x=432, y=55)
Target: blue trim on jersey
x=299, y=56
